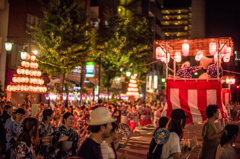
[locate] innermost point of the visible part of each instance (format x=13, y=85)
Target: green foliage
x=127, y=47
x=84, y=90
x=63, y=37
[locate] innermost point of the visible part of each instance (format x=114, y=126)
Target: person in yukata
x=212, y=70
x=188, y=70
x=180, y=72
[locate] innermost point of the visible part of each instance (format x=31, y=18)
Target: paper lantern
x=160, y=53
x=14, y=79
x=178, y=57
x=185, y=49
x=226, y=58
x=18, y=87
x=223, y=52
x=23, y=71
x=28, y=57
x=27, y=72
x=33, y=58
x=38, y=73
x=19, y=71
x=212, y=48
x=198, y=55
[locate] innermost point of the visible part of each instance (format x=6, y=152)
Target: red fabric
x=142, y=122
x=133, y=126
x=223, y=95
x=129, y=123
x=199, y=93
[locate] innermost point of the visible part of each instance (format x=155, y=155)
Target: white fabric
x=174, y=98
x=107, y=152
x=226, y=152
x=171, y=146
x=193, y=105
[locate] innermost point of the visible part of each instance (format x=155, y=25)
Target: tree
x=63, y=37
x=133, y=51
x=113, y=59
x=138, y=43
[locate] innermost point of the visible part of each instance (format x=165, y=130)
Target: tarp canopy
x=193, y=96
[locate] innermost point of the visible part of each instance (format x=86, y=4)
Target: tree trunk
x=107, y=94
x=62, y=79
x=82, y=80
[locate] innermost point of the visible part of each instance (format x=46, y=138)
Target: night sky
x=222, y=18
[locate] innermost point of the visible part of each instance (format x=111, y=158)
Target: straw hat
x=100, y=116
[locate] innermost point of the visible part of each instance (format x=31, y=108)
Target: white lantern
x=23, y=55
x=185, y=49
x=226, y=58
x=223, y=52
x=8, y=45
x=178, y=57
x=198, y=55
x=212, y=48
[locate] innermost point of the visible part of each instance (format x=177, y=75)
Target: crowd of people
x=92, y=131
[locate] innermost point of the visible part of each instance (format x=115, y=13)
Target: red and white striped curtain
x=193, y=97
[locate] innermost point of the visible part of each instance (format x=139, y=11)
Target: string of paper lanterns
x=27, y=78
x=132, y=87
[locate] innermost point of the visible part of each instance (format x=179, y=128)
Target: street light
x=35, y=52
x=23, y=55
x=8, y=45
x=128, y=74
x=163, y=79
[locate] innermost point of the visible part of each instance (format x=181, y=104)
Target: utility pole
x=99, y=76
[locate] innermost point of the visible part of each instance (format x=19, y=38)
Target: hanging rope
x=232, y=72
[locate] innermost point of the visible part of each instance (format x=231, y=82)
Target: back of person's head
x=20, y=111
x=99, y=101
x=230, y=132
x=29, y=132
x=211, y=110
x=177, y=122
x=7, y=107
x=163, y=122
x=46, y=113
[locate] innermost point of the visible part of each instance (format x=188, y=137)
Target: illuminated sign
x=90, y=69
x=155, y=81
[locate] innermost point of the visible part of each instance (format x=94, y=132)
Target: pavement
x=138, y=145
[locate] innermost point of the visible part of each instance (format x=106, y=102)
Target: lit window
x=178, y=17
x=178, y=11
x=185, y=28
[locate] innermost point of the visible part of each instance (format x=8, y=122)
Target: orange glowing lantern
x=212, y=48
x=185, y=49
x=178, y=57
x=19, y=71
x=14, y=79
x=23, y=71
x=28, y=57
x=198, y=55
x=33, y=58
x=39, y=73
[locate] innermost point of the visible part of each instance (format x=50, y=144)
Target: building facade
x=176, y=23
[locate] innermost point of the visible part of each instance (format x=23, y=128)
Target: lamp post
x=8, y=48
